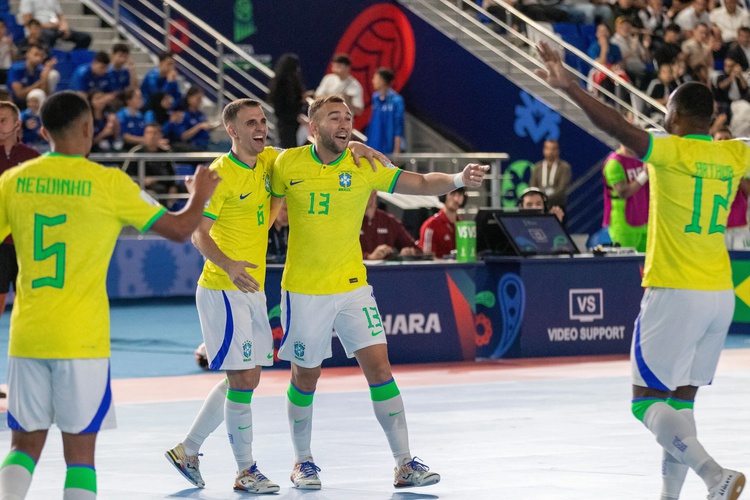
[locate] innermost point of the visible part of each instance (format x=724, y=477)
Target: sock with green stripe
x=299, y=410
x=15, y=475
x=675, y=433
x=210, y=416
x=238, y=415
x=673, y=472
x=389, y=410
x=80, y=482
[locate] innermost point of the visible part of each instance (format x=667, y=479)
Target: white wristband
x=458, y=180
x=642, y=178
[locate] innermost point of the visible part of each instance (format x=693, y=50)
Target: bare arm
x=178, y=226
x=438, y=183
x=275, y=207
x=625, y=189
x=235, y=269
x=604, y=117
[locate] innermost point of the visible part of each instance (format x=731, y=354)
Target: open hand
x=556, y=75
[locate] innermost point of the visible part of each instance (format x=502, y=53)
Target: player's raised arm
x=437, y=183
x=606, y=118
x=179, y=226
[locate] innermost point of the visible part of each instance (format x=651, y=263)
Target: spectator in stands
x=699, y=48
x=278, y=237
x=153, y=142
x=626, y=199
x=162, y=79
x=552, y=175
x=33, y=37
x=728, y=19
x=286, y=93
x=654, y=19
x=636, y=55
x=438, y=233
x=586, y=11
x=739, y=51
x=54, y=25
x=107, y=136
x=659, y=90
x=731, y=86
x=533, y=198
x=194, y=128
x=607, y=55
x=159, y=110
x=693, y=15
x=669, y=49
x=737, y=233
x=12, y=153
x=8, y=53
x=30, y=74
x=132, y=122
x=122, y=71
x=93, y=75
x=386, y=129
x=382, y=235
x=627, y=9
x=31, y=122
x=542, y=12
x=680, y=71
x=340, y=82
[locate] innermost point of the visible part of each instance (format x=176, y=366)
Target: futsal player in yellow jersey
x=689, y=301
x=65, y=214
x=324, y=286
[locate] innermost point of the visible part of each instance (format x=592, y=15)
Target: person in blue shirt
x=31, y=122
x=132, y=121
x=162, y=78
x=29, y=74
x=93, y=75
x=386, y=129
x=122, y=73
x=194, y=128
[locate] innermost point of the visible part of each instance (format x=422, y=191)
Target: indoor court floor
x=539, y=429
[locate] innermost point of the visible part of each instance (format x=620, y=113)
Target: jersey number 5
x=719, y=202
x=56, y=250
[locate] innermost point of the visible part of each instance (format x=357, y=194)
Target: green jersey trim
x=210, y=215
x=393, y=182
x=239, y=162
x=55, y=153
x=332, y=164
x=153, y=219
x=650, y=147
x=699, y=137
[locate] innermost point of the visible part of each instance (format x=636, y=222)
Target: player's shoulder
x=292, y=155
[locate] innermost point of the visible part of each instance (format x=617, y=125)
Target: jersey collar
x=54, y=153
x=239, y=162
x=699, y=137
x=333, y=163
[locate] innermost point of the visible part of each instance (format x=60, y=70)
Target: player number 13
x=323, y=201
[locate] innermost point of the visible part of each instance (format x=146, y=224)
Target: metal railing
x=416, y=162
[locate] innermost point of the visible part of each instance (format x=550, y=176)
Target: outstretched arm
x=437, y=183
x=604, y=117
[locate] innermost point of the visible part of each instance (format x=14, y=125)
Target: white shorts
x=679, y=335
x=75, y=394
x=309, y=322
x=737, y=238
x=235, y=329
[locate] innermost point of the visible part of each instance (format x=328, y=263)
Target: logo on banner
x=586, y=304
x=243, y=20
x=535, y=120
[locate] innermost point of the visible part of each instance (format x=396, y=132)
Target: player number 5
x=56, y=250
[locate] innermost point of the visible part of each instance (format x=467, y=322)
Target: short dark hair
x=101, y=57
x=320, y=102
x=386, y=74
x=695, y=102
x=165, y=55
x=12, y=107
x=120, y=47
x=675, y=28
x=152, y=125
x=35, y=46
x=744, y=29
x=341, y=59
x=61, y=109
x=461, y=190
x=33, y=21
x=233, y=108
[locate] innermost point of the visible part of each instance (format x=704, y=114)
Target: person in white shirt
x=54, y=24
x=729, y=19
x=689, y=17
x=340, y=82
x=635, y=55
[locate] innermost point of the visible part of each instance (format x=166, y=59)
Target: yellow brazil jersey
x=239, y=208
x=65, y=214
x=693, y=181
x=326, y=205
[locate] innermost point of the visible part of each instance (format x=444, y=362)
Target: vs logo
x=586, y=305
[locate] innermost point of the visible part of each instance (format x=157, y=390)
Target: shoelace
x=258, y=474
x=416, y=465
x=309, y=469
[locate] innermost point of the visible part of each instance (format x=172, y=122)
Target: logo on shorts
x=247, y=349
x=299, y=350
x=345, y=180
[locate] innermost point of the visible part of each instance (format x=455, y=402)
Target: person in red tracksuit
x=438, y=233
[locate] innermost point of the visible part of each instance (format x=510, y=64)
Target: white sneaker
x=253, y=481
x=188, y=465
x=414, y=473
x=730, y=486
x=305, y=475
